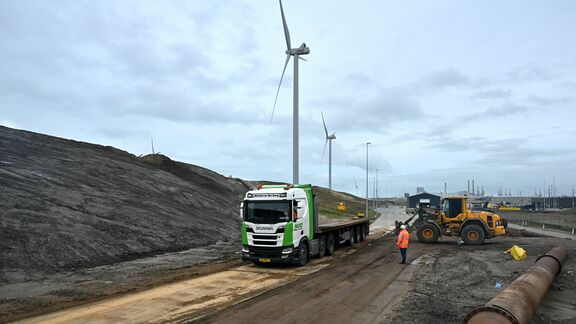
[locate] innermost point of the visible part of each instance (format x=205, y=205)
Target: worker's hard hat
x=402, y=226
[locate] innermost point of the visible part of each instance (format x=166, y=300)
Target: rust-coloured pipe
x=518, y=303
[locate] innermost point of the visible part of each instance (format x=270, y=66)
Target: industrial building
x=423, y=198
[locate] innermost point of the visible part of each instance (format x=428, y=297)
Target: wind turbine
x=329, y=139
x=296, y=52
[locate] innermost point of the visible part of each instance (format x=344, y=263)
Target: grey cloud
x=507, y=109
x=491, y=94
x=510, y=152
x=530, y=73
x=546, y=101
x=109, y=58
x=376, y=112
x=443, y=79
x=121, y=132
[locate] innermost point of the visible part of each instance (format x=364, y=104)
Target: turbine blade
x=324, y=152
x=286, y=32
x=279, y=84
x=325, y=129
x=303, y=59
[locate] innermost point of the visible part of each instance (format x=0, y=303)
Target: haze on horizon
x=446, y=91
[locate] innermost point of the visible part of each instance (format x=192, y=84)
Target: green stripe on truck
x=288, y=234
x=244, y=234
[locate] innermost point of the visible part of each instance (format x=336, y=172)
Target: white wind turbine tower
x=329, y=139
x=296, y=52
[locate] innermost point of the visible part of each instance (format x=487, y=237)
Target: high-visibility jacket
x=403, y=239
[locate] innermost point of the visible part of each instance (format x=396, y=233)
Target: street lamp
x=367, y=143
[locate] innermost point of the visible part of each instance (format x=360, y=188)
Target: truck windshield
x=267, y=212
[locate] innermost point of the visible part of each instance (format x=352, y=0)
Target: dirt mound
x=67, y=205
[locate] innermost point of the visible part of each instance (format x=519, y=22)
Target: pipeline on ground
x=518, y=303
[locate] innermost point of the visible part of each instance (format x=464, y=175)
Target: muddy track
x=357, y=288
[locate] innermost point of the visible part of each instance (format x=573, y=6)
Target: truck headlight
x=245, y=249
x=287, y=250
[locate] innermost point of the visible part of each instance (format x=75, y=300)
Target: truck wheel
x=366, y=230
x=322, y=247
x=302, y=255
x=362, y=232
x=473, y=235
x=352, y=235
x=330, y=244
x=428, y=233
x=357, y=231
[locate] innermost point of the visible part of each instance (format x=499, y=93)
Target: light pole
x=377, y=189
x=367, y=143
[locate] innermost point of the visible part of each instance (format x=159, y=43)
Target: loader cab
x=453, y=206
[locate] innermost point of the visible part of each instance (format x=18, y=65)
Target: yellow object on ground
x=517, y=253
x=510, y=208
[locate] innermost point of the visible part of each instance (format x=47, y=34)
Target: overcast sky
x=445, y=90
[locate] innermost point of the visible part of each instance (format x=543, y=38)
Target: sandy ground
x=27, y=298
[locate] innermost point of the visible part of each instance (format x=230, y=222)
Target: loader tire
x=473, y=235
x=428, y=233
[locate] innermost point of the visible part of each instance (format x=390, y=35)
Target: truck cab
x=277, y=224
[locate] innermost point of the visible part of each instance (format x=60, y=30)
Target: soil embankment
x=67, y=206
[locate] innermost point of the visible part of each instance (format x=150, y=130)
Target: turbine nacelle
x=302, y=50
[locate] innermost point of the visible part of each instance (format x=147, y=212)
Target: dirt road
x=195, y=297
x=364, y=287
x=442, y=283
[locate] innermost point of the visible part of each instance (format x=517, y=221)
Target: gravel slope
x=67, y=205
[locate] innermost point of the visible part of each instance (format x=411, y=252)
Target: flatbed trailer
x=280, y=224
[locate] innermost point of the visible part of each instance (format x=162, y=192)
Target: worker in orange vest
x=402, y=242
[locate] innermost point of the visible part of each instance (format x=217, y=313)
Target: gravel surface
x=457, y=278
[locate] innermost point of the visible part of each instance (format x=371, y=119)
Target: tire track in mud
x=357, y=288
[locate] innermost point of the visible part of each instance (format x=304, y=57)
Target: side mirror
x=242, y=210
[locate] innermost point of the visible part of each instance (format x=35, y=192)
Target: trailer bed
x=332, y=224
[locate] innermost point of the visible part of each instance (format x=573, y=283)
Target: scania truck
x=280, y=224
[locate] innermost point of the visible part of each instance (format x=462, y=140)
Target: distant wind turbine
x=328, y=142
x=296, y=52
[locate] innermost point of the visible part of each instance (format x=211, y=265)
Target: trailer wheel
x=362, y=232
x=351, y=239
x=427, y=233
x=322, y=247
x=302, y=254
x=357, y=231
x=330, y=244
x=366, y=230
x=473, y=235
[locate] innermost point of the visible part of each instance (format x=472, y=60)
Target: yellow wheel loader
x=453, y=218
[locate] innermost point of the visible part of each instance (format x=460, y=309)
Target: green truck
x=280, y=224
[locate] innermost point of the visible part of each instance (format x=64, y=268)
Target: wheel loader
x=453, y=218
